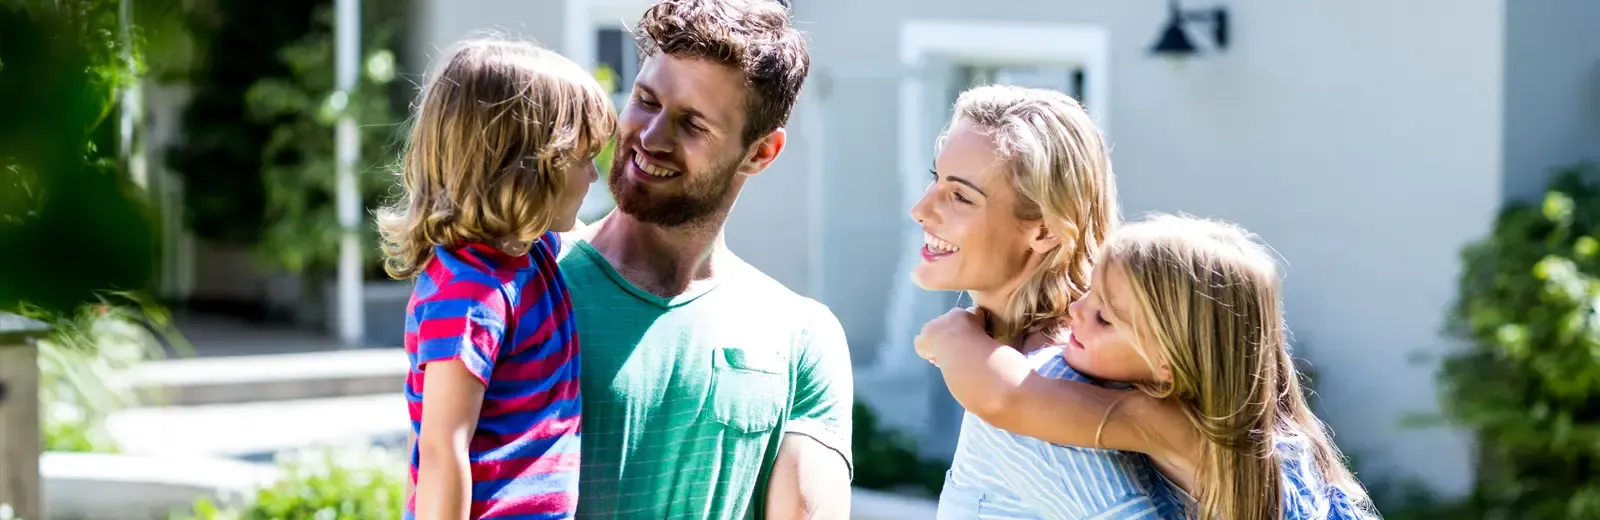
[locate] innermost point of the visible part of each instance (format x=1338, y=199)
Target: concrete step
x=270, y=377
x=258, y=431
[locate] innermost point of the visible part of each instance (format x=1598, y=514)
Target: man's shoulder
x=760, y=290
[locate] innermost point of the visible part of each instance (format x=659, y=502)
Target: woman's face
x=1101, y=344
x=973, y=240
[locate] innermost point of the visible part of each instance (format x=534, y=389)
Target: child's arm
x=460, y=328
x=451, y=403
x=996, y=383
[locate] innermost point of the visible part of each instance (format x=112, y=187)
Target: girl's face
x=1101, y=344
x=972, y=238
x=579, y=176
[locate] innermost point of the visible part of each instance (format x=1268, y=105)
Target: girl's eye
x=1101, y=319
x=962, y=199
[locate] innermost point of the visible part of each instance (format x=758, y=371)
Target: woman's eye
x=1101, y=319
x=962, y=198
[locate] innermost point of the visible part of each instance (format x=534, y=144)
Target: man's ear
x=764, y=151
x=1043, y=239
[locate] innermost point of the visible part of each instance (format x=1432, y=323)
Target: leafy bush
x=81, y=359
x=302, y=229
x=354, y=484
x=61, y=67
x=887, y=460
x=1528, y=382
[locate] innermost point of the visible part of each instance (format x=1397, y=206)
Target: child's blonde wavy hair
x=1204, y=300
x=497, y=125
x=1061, y=170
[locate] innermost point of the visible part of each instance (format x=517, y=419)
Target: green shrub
x=301, y=231
x=887, y=460
x=1528, y=381
x=83, y=357
x=352, y=484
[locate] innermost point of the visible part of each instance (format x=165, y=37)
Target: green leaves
x=299, y=173
x=1528, y=380
x=353, y=484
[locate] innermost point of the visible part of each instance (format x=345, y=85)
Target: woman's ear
x=1043, y=239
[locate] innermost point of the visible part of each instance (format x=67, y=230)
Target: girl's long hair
x=1205, y=301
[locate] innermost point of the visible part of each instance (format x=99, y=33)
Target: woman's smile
x=935, y=248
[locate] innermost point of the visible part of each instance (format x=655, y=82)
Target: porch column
x=347, y=65
x=21, y=437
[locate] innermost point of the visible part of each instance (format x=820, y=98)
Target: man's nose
x=657, y=135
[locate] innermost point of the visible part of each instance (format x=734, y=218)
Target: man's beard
x=703, y=195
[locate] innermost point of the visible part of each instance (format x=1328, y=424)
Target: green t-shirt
x=686, y=399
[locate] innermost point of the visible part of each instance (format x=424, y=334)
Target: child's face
x=1101, y=343
x=973, y=240
x=579, y=177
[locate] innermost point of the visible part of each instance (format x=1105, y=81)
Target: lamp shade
x=1174, y=41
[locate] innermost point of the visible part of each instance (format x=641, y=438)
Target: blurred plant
x=236, y=43
x=1528, y=380
x=81, y=361
x=71, y=224
x=349, y=484
x=302, y=230
x=887, y=460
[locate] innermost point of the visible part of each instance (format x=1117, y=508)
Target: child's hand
x=949, y=331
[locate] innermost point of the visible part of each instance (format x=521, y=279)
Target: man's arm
x=811, y=478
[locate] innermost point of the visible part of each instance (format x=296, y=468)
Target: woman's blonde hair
x=1204, y=300
x=497, y=125
x=1061, y=172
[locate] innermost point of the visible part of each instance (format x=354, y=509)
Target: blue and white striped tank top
x=1001, y=475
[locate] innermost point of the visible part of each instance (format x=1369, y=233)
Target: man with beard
x=709, y=389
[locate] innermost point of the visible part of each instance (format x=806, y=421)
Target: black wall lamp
x=1174, y=42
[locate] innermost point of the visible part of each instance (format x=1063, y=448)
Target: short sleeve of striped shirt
x=458, y=317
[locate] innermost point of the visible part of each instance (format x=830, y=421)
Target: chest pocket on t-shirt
x=748, y=389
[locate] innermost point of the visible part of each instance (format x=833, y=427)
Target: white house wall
x=1552, y=92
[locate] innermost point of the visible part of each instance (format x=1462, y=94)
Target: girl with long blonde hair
x=1187, y=311
x=1021, y=198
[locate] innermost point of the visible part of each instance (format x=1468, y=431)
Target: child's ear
x=1043, y=239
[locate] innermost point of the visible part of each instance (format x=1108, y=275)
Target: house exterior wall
x=1552, y=91
x=1362, y=139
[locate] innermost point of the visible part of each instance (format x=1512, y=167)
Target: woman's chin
x=929, y=281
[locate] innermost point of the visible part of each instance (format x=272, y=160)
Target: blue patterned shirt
x=997, y=474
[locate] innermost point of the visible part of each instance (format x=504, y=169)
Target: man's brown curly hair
x=753, y=36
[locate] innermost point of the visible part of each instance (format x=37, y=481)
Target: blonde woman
x=1022, y=195
x=1188, y=311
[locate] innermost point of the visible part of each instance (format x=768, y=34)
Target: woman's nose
x=922, y=210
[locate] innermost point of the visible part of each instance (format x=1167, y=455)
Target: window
x=617, y=61
x=1068, y=79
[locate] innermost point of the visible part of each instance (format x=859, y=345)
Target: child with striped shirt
x=499, y=159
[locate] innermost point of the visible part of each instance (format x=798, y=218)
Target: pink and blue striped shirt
x=509, y=320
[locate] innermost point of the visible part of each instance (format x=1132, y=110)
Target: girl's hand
x=954, y=328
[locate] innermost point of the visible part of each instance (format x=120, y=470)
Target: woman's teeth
x=936, y=245
x=653, y=170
